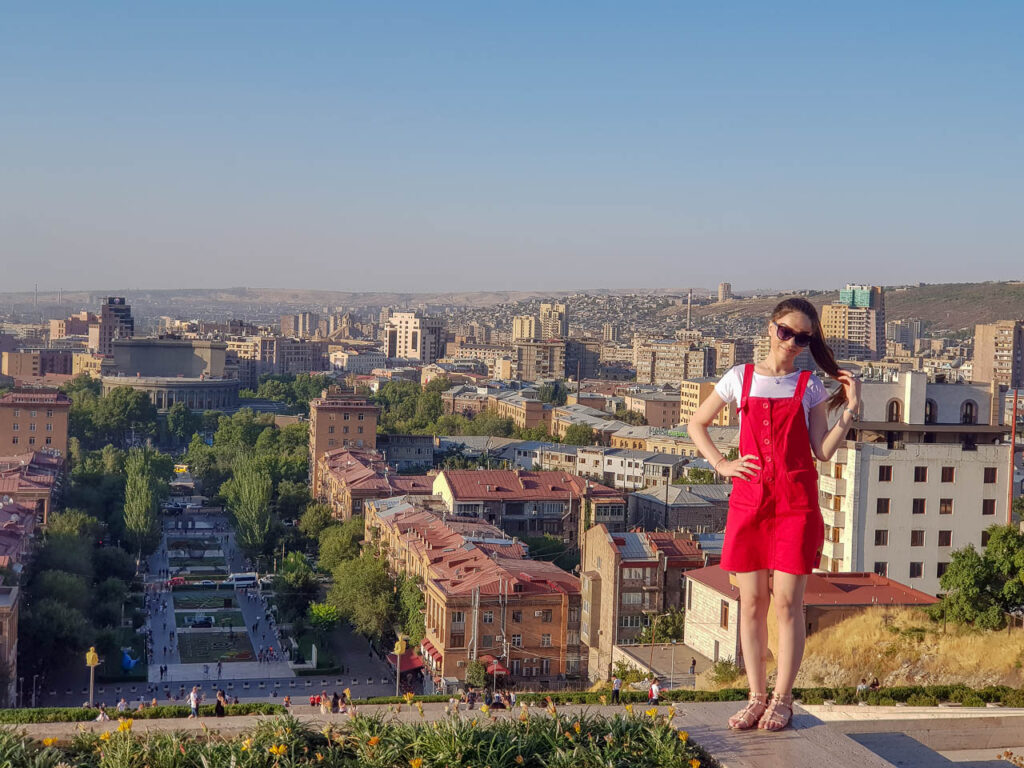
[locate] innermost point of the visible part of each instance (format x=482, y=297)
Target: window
x=344, y=430
x=945, y=538
x=689, y=595
x=945, y=506
x=345, y=417
x=487, y=641
x=631, y=598
x=516, y=667
x=918, y=508
x=546, y=617
x=572, y=637
x=574, y=615
x=458, y=617
x=723, y=617
x=940, y=568
x=545, y=666
x=330, y=430
x=31, y=441
x=882, y=507
x=984, y=538
x=488, y=617
x=545, y=640
x=920, y=474
x=917, y=538
x=948, y=473
x=885, y=473
x=360, y=417
x=881, y=568
x=49, y=440
x=14, y=440
x=881, y=538
x=988, y=506
x=17, y=412
x=990, y=474
x=33, y=413
x=916, y=570
x=517, y=617
x=359, y=430
x=31, y=427
x=458, y=640
x=517, y=641
x=15, y=427
x=330, y=442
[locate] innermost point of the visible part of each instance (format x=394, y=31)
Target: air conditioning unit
x=460, y=663
x=538, y=614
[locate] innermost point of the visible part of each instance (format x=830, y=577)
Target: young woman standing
x=774, y=523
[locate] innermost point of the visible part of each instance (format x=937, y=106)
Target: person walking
x=774, y=525
x=616, y=688
x=193, y=702
x=693, y=665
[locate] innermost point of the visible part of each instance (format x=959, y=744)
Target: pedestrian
x=774, y=522
x=220, y=669
x=325, y=703
x=335, y=702
x=654, y=693
x=102, y=717
x=616, y=688
x=193, y=702
x=218, y=708
x=693, y=665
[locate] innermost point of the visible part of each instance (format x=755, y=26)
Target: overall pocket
x=802, y=489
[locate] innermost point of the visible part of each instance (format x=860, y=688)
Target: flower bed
x=205, y=646
x=209, y=599
x=551, y=740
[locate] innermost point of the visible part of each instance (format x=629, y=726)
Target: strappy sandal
x=750, y=715
x=778, y=714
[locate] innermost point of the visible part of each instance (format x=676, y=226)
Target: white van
x=247, y=579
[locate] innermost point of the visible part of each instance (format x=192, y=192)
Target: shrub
x=83, y=714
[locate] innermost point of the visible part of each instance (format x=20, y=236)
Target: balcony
x=834, y=517
x=834, y=550
x=835, y=486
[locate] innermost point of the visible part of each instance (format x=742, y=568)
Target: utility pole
x=1013, y=453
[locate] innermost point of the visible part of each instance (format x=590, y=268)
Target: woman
x=774, y=523
x=218, y=707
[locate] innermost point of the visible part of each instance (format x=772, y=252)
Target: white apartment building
x=924, y=474
x=412, y=336
x=361, y=362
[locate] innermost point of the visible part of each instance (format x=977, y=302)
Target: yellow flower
x=519, y=760
x=246, y=744
x=348, y=693
x=695, y=763
x=629, y=709
x=484, y=708
x=603, y=699
x=652, y=712
x=416, y=762
x=684, y=736
x=319, y=757
x=671, y=711
x=105, y=736
x=125, y=725
x=278, y=750
x=409, y=696
x=419, y=708
x=49, y=742
x=374, y=741
x=568, y=735
x=523, y=716
x=576, y=726
x=474, y=721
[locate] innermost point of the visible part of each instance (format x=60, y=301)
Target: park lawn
x=217, y=560
x=206, y=646
x=220, y=618
x=211, y=599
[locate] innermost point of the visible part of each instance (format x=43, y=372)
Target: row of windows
x=459, y=617
x=916, y=538
x=919, y=506
x=33, y=414
x=31, y=427
x=916, y=569
x=947, y=475
x=31, y=441
x=345, y=416
x=330, y=430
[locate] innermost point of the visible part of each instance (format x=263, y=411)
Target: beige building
x=724, y=292
x=627, y=577
x=169, y=357
x=693, y=392
x=74, y=325
x=37, y=362
x=34, y=420
x=338, y=419
x=115, y=322
x=855, y=325
x=669, y=361
x=524, y=328
x=415, y=337
x=554, y=321
x=999, y=353
x=660, y=409
x=731, y=352
x=9, y=640
x=537, y=360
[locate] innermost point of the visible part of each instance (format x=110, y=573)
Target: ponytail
x=820, y=351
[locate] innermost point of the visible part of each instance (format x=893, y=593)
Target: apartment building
x=554, y=321
x=27, y=364
x=565, y=416
x=524, y=503
x=338, y=419
x=33, y=480
x=525, y=410
x=854, y=326
x=731, y=352
x=923, y=473
x=693, y=393
x=670, y=361
x=357, y=361
x=115, y=322
x=33, y=420
x=414, y=337
x=524, y=328
x=626, y=577
x=539, y=360
x=999, y=353
x=659, y=409
x=349, y=478
x=701, y=508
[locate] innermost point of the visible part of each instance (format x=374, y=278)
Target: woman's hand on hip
x=744, y=466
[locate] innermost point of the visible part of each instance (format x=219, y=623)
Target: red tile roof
x=35, y=397
x=366, y=472
x=29, y=472
x=679, y=553
x=518, y=485
x=825, y=589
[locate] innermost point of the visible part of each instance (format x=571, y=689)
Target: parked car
x=202, y=622
x=176, y=581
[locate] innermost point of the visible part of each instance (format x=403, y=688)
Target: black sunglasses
x=785, y=333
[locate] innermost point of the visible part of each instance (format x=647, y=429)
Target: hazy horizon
x=460, y=147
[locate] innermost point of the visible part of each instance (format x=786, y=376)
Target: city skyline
x=456, y=147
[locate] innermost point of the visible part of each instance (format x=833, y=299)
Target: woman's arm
x=824, y=441
x=697, y=428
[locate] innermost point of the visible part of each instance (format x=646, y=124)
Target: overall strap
x=748, y=379
x=801, y=385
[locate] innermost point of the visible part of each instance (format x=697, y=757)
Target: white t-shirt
x=730, y=388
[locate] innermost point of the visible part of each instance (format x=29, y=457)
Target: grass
x=207, y=646
x=209, y=599
x=203, y=542
x=905, y=647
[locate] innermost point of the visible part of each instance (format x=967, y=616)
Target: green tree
x=555, y=393
x=182, y=423
x=697, y=476
x=970, y=592
x=630, y=417
x=292, y=499
x=140, y=501
x=70, y=589
x=323, y=618
x=411, y=606
x=476, y=674
x=65, y=553
x=578, y=434
x=315, y=519
x=51, y=630
x=124, y=415
x=297, y=582
x=670, y=627
x=76, y=522
x=364, y=595
x=248, y=497
x=339, y=543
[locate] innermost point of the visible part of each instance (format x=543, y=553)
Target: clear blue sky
x=526, y=145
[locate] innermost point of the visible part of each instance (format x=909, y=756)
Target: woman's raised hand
x=744, y=466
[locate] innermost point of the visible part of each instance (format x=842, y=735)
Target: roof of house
x=34, y=471
x=35, y=397
x=522, y=485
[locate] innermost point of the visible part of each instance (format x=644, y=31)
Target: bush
x=725, y=671
x=83, y=714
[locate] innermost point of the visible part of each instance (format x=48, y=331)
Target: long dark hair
x=820, y=351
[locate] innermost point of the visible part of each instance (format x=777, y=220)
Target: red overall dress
x=774, y=521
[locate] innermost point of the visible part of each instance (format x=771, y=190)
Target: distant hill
x=945, y=307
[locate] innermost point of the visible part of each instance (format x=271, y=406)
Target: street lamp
x=672, y=682
x=92, y=660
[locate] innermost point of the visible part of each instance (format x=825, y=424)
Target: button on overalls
x=774, y=519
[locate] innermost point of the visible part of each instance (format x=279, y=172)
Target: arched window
x=931, y=411
x=894, y=411
x=968, y=412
